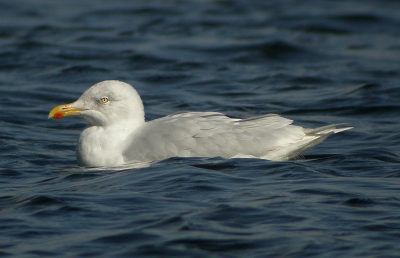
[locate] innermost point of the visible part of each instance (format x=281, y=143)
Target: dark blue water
x=317, y=62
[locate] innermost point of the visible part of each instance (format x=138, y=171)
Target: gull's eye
x=104, y=100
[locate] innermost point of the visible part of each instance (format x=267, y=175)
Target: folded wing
x=212, y=134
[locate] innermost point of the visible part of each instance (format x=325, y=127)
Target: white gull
x=118, y=133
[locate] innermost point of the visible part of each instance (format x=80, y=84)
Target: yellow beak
x=65, y=110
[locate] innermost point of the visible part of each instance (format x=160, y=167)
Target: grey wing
x=210, y=134
x=268, y=133
x=174, y=136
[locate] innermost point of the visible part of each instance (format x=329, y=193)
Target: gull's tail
x=329, y=129
x=312, y=138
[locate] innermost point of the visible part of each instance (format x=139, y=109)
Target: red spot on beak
x=58, y=115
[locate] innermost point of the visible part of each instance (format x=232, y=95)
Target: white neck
x=104, y=145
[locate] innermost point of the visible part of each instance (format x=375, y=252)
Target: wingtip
x=328, y=129
x=338, y=130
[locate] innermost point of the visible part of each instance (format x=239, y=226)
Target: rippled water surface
x=316, y=62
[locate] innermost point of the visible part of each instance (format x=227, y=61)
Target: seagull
x=118, y=134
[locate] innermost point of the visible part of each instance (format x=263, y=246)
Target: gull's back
x=212, y=134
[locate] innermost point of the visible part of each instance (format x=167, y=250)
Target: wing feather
x=210, y=134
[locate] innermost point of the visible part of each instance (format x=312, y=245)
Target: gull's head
x=105, y=103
